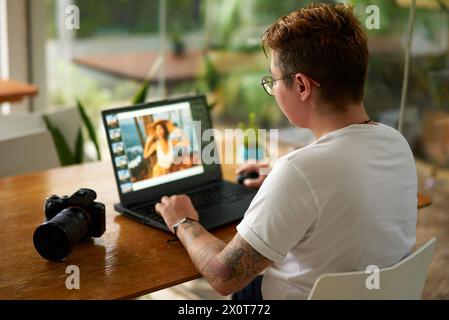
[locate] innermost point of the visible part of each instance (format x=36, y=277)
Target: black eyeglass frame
x=269, y=80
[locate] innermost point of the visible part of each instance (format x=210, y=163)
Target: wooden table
x=135, y=66
x=129, y=260
x=188, y=67
x=13, y=91
x=424, y=201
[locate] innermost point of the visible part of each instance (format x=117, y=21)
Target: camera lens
x=55, y=239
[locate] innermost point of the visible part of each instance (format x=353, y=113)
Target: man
x=347, y=201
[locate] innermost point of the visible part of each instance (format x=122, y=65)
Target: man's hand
x=174, y=208
x=254, y=183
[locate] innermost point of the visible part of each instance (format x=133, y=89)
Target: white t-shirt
x=346, y=201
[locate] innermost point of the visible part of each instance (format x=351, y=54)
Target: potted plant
x=75, y=155
x=251, y=150
x=178, y=44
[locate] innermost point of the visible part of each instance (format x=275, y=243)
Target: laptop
x=161, y=149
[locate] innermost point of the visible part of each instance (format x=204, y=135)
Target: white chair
x=19, y=124
x=403, y=281
x=29, y=152
x=68, y=121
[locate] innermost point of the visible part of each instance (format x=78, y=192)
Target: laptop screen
x=155, y=144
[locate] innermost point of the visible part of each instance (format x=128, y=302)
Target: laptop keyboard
x=201, y=199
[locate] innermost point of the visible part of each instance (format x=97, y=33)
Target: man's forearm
x=227, y=267
x=201, y=245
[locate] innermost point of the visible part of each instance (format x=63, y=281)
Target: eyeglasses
x=268, y=83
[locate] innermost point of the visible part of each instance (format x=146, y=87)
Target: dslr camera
x=69, y=220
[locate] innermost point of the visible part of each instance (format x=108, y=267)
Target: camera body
x=69, y=220
x=84, y=200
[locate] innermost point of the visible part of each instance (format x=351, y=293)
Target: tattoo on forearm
x=233, y=264
x=238, y=261
x=207, y=252
x=192, y=231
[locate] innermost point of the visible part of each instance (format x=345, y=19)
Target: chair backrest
x=26, y=153
x=68, y=121
x=404, y=280
x=19, y=124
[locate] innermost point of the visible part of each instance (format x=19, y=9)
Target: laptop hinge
x=131, y=204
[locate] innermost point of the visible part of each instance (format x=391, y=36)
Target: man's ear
x=303, y=86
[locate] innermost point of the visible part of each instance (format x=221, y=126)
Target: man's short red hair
x=327, y=43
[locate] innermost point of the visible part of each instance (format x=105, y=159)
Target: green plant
x=89, y=126
x=211, y=75
x=247, y=129
x=439, y=89
x=142, y=93
x=65, y=154
x=177, y=43
x=209, y=82
x=253, y=147
x=66, y=157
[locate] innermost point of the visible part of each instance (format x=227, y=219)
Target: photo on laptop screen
x=154, y=146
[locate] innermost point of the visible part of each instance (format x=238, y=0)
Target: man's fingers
x=253, y=183
x=158, y=207
x=247, y=168
x=250, y=167
x=184, y=197
x=165, y=200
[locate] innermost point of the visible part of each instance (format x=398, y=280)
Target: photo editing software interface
x=156, y=145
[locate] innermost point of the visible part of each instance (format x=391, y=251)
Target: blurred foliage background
x=229, y=33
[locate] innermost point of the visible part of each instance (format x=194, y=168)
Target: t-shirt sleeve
x=280, y=214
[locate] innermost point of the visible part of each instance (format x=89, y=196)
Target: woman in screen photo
x=158, y=142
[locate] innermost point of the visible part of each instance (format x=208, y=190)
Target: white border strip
x=155, y=110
